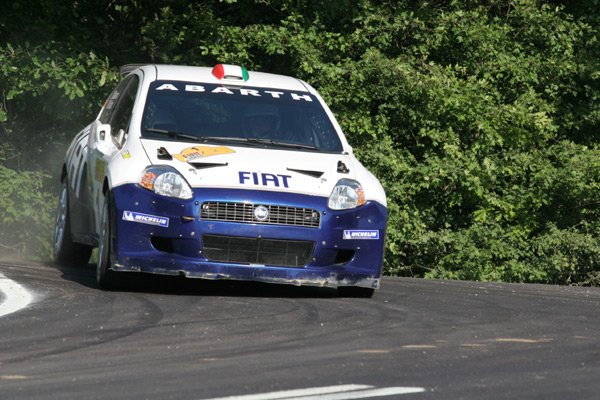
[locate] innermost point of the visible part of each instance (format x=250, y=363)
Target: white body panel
x=109, y=165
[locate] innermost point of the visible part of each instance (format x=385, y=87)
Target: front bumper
x=162, y=235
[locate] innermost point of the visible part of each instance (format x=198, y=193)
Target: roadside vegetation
x=481, y=118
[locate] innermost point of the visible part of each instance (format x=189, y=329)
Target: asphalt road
x=186, y=339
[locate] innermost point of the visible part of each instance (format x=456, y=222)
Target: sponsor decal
x=126, y=155
x=361, y=234
x=145, y=219
x=264, y=179
x=213, y=89
x=196, y=152
x=100, y=167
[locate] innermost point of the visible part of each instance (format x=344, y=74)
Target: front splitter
x=296, y=277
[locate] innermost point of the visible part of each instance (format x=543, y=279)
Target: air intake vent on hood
x=341, y=168
x=203, y=165
x=314, y=174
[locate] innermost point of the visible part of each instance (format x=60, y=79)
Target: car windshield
x=247, y=116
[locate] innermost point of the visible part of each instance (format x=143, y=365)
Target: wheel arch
x=105, y=186
x=63, y=173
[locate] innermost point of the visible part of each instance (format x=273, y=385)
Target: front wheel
x=104, y=275
x=67, y=252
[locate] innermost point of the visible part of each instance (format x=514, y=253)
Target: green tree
x=480, y=118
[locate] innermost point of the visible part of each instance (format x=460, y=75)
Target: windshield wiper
x=204, y=139
x=255, y=141
x=285, y=144
x=173, y=134
x=271, y=142
x=223, y=139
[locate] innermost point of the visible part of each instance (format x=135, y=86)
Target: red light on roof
x=233, y=72
x=218, y=71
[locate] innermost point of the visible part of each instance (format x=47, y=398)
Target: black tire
x=356, y=292
x=66, y=252
x=105, y=276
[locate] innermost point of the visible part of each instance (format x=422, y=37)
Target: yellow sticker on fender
x=100, y=167
x=196, y=152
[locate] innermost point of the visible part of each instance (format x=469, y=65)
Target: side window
x=111, y=102
x=121, y=116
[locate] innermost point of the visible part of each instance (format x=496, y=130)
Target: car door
x=108, y=134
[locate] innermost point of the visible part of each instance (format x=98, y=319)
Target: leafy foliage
x=25, y=202
x=481, y=119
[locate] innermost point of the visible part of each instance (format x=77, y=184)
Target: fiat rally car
x=220, y=173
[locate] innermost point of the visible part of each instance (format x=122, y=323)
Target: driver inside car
x=264, y=122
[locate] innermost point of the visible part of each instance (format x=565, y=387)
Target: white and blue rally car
x=220, y=173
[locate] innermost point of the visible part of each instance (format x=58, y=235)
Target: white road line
x=340, y=392
x=17, y=297
x=363, y=394
x=287, y=394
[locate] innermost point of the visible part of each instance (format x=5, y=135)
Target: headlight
x=166, y=181
x=346, y=194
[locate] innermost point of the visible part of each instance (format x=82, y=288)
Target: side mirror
x=103, y=138
x=120, y=138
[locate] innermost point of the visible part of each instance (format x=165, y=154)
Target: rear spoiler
x=126, y=69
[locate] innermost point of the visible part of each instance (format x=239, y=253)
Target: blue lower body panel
x=162, y=235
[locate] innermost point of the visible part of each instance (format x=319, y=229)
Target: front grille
x=244, y=212
x=286, y=253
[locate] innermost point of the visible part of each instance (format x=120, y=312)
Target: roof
x=204, y=74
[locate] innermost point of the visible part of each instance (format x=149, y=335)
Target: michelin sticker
x=145, y=219
x=360, y=234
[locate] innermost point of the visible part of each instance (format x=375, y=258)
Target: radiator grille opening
x=276, y=252
x=245, y=212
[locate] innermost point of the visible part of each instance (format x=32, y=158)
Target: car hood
x=253, y=168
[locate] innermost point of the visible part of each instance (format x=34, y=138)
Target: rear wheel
x=354, y=291
x=104, y=275
x=67, y=252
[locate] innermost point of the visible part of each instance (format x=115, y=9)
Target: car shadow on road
x=177, y=285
